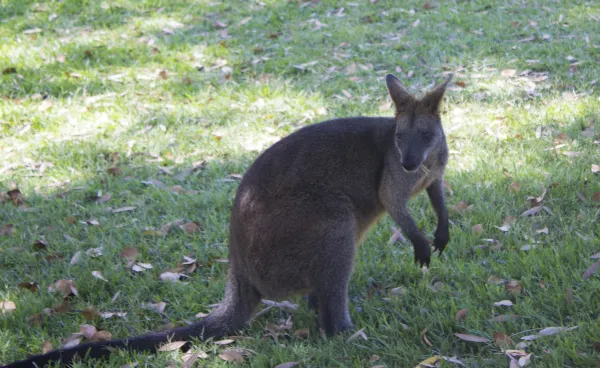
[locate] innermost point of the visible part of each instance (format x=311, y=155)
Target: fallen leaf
x=515, y=186
x=157, y=307
x=114, y=171
x=31, y=286
x=374, y=358
x=232, y=356
x=532, y=211
x=302, y=333
x=76, y=258
x=477, y=229
x=471, y=338
x=461, y=314
x=572, y=154
x=429, y=362
x=502, y=340
x=224, y=342
x=40, y=245
x=503, y=303
x=513, y=287
x=171, y=276
x=102, y=335
x=7, y=306
x=549, y=331
x=219, y=24
x=286, y=365
x=504, y=318
x=396, y=235
x=94, y=252
x=7, y=229
x=65, y=287
x=47, y=347
x=190, y=227
x=508, y=73
x=88, y=313
x=123, y=209
x=495, y=279
x=424, y=337
x=98, y=275
x=591, y=270
x=189, y=362
x=595, y=168
x=92, y=222
x=129, y=253
x=87, y=330
x=360, y=333
x=71, y=342
x=506, y=223
x=175, y=345
x=460, y=207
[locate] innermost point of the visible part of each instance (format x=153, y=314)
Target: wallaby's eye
x=428, y=136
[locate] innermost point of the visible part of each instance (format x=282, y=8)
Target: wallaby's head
x=418, y=124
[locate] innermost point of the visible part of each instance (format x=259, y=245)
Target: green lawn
x=180, y=95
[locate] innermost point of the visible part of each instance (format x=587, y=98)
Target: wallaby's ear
x=402, y=99
x=431, y=101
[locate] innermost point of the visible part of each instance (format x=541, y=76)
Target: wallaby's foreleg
x=438, y=201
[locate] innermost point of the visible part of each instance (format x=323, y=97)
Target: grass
x=82, y=91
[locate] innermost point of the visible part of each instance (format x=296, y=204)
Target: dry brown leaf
x=424, y=337
x=7, y=229
x=232, y=356
x=513, y=287
x=190, y=359
x=461, y=314
x=7, y=306
x=190, y=227
x=175, y=345
x=87, y=330
x=65, y=287
x=94, y=252
x=471, y=338
x=495, y=279
x=102, y=335
x=502, y=340
x=129, y=253
x=114, y=171
x=31, y=286
x=40, y=245
x=396, y=235
x=47, y=347
x=506, y=223
x=71, y=342
x=595, y=169
x=88, y=313
x=515, y=186
x=302, y=333
x=98, y=275
x=461, y=207
x=36, y=320
x=477, y=229
x=591, y=270
x=374, y=358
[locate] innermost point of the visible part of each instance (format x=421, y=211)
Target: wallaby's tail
x=233, y=312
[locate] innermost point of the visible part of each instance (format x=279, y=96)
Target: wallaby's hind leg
x=238, y=306
x=331, y=288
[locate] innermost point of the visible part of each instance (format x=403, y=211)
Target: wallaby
x=302, y=208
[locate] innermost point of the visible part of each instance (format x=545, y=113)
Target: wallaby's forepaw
x=423, y=255
x=440, y=241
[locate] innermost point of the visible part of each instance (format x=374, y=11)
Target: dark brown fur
x=305, y=204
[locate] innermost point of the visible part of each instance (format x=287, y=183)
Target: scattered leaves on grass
x=471, y=338
x=171, y=276
x=535, y=210
x=424, y=337
x=94, y=252
x=90, y=313
x=503, y=303
x=31, y=286
x=75, y=259
x=495, y=280
x=535, y=201
x=591, y=270
x=102, y=335
x=92, y=222
x=7, y=306
x=461, y=314
x=140, y=267
x=175, y=345
x=429, y=362
x=157, y=307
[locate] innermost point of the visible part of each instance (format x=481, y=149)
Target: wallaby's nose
x=410, y=165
